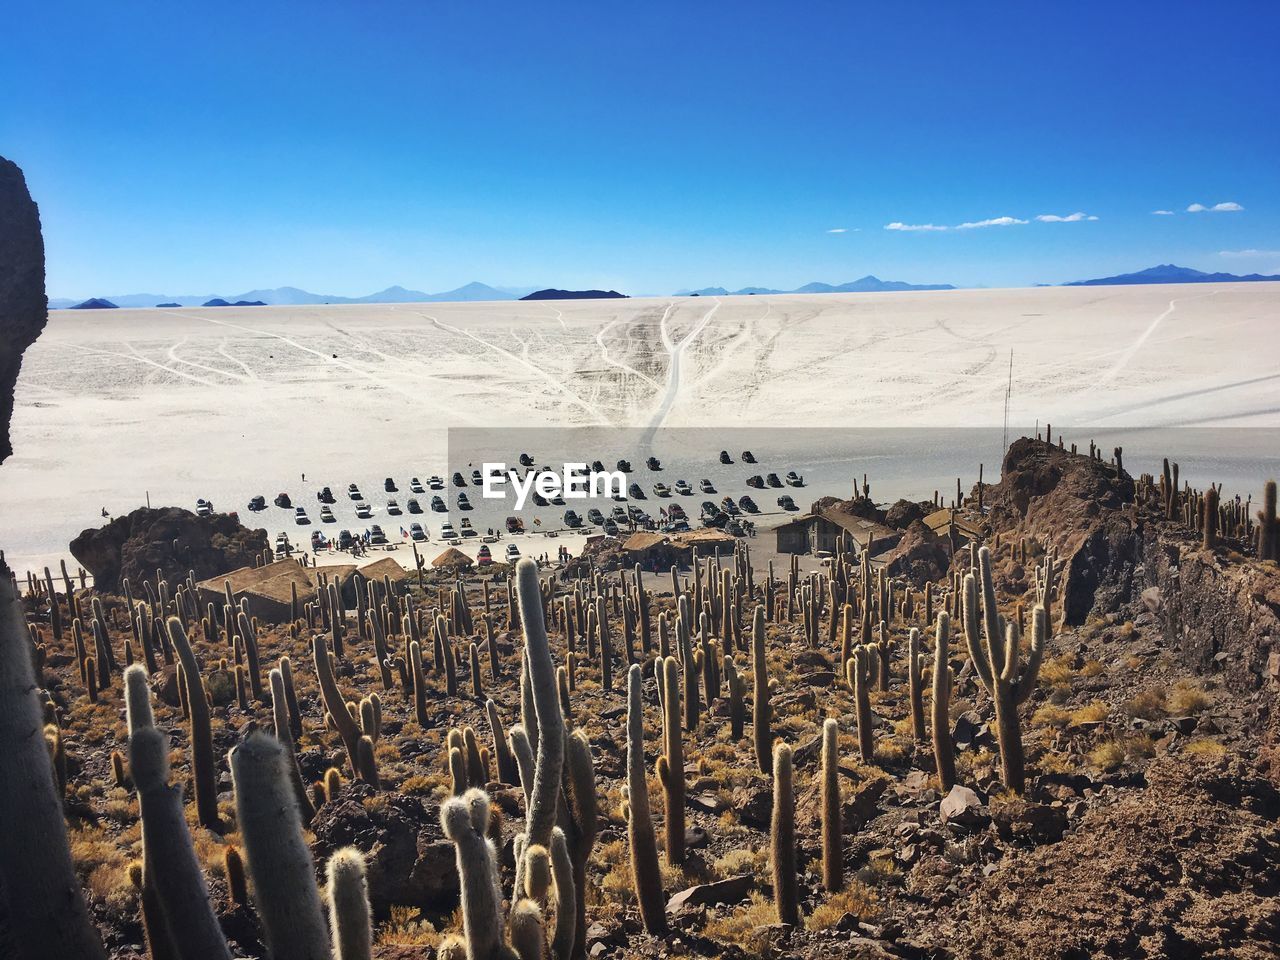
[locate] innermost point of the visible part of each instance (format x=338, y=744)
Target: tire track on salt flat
x=673, y=368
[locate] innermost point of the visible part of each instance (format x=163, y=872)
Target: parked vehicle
x=748, y=505
x=709, y=509
x=595, y=516
x=393, y=508
x=345, y=539
x=282, y=500
x=706, y=486
x=464, y=502
x=748, y=456
x=300, y=516
x=724, y=457
x=412, y=505
x=610, y=528
x=415, y=486
x=597, y=466
x=258, y=503
x=538, y=499
x=786, y=503
x=756, y=481
x=526, y=460
x=653, y=463
x=661, y=490
x=354, y=492
x=734, y=528
x=484, y=557
x=417, y=533
x=624, y=466
x=204, y=508
x=389, y=486
x=634, y=492
x=772, y=480
x=324, y=496
x=572, y=520
x=326, y=514
x=437, y=504
x=683, y=488
x=376, y=537
x=476, y=478
x=515, y=525
x=557, y=500
x=318, y=540
x=620, y=515
x=465, y=528
x=363, y=510
x=513, y=553
x=447, y=532
x=459, y=480
x=435, y=483
x=729, y=507
x=794, y=479
x=676, y=512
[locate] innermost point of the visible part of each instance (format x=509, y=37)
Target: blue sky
x=343, y=147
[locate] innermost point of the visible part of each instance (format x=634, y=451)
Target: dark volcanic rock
x=920, y=556
x=906, y=512
x=1083, y=507
x=24, y=309
x=169, y=539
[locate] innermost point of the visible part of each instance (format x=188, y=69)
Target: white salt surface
x=226, y=403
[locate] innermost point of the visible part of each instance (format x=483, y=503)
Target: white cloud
x=1069, y=218
x=1249, y=254
x=993, y=222
x=1162, y=213
x=838, y=230
x=1227, y=206
x=912, y=226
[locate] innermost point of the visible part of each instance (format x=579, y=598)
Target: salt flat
x=230, y=402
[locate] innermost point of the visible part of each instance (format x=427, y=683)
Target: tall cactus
x=760, y=702
x=336, y=706
x=859, y=669
x=782, y=839
x=280, y=865
x=46, y=914
x=541, y=672
x=944, y=754
x=168, y=853
x=640, y=833
x=349, y=905
x=465, y=821
x=994, y=652
x=832, y=853
x=671, y=762
x=201, y=734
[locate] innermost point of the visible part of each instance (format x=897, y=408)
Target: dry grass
x=1186, y=699
x=740, y=926
x=1050, y=715
x=1204, y=747
x=1094, y=712
x=856, y=899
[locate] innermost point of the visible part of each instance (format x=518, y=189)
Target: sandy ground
x=116, y=406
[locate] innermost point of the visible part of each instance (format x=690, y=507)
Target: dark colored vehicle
x=459, y=480
x=376, y=536
x=345, y=539
x=772, y=480
x=557, y=501
x=756, y=481
x=464, y=502
x=326, y=496
x=653, y=463
x=538, y=499
x=786, y=503
x=282, y=500
x=624, y=466
x=724, y=457
x=734, y=528
x=748, y=456
x=416, y=532
x=389, y=485
x=515, y=525
x=526, y=460
x=317, y=540
x=597, y=466
x=610, y=528
x=729, y=507
x=676, y=512
x=393, y=508
x=748, y=505
x=476, y=478
x=677, y=526
x=595, y=516
x=412, y=505
x=620, y=515
x=571, y=519
x=634, y=492
x=437, y=505
x=354, y=492
x=258, y=503
x=299, y=516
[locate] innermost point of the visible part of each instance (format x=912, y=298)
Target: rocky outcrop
x=171, y=540
x=921, y=556
x=24, y=309
x=1084, y=508
x=904, y=513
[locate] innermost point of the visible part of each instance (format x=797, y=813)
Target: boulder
x=919, y=557
x=904, y=513
x=727, y=891
x=962, y=807
x=169, y=539
x=24, y=309
x=1031, y=823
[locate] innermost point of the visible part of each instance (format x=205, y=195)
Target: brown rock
x=24, y=309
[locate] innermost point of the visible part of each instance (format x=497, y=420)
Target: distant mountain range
x=293, y=296
x=867, y=284
x=553, y=294
x=1168, y=273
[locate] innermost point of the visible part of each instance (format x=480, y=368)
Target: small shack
x=655, y=551
x=824, y=529
x=453, y=559
x=386, y=569
x=708, y=542
x=961, y=525
x=267, y=589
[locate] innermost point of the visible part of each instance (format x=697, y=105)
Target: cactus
x=168, y=853
x=541, y=672
x=518, y=740
x=915, y=686
x=567, y=899
x=336, y=707
x=201, y=735
x=737, y=712
x=46, y=914
x=233, y=867
x=1210, y=520
x=465, y=820
x=943, y=749
x=640, y=833
x=137, y=699
x=508, y=772
x=671, y=762
x=832, y=858
x=782, y=839
x=760, y=703
x=1268, y=531
x=349, y=905
x=994, y=652
x=419, y=684
x=859, y=671
x=280, y=864
x=582, y=827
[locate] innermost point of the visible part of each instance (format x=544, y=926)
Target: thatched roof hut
x=453, y=558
